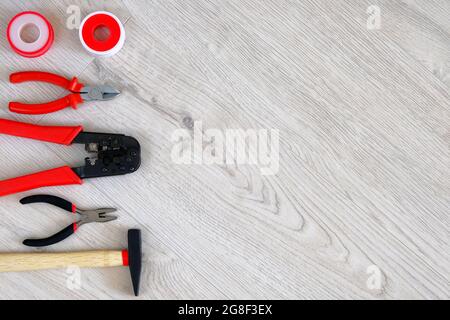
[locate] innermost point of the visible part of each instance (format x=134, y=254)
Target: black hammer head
x=135, y=257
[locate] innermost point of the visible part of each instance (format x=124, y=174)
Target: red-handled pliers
x=116, y=154
x=79, y=92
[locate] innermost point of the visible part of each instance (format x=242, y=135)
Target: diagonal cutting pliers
x=79, y=92
x=86, y=216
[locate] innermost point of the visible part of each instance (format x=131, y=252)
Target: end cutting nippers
x=79, y=92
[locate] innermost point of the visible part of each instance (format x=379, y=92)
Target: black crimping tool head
x=116, y=154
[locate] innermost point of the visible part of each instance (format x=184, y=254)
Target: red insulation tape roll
x=114, y=40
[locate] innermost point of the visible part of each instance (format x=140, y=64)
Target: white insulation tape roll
x=114, y=30
x=37, y=47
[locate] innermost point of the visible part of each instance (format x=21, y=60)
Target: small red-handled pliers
x=86, y=216
x=114, y=154
x=79, y=92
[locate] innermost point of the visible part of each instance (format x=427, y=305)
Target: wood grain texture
x=364, y=171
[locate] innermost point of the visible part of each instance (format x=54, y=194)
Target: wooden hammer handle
x=14, y=262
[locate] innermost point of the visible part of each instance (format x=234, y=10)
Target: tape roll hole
x=102, y=33
x=30, y=33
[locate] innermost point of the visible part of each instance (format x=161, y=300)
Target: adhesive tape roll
x=37, y=47
x=111, y=43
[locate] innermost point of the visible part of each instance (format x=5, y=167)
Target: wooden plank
x=363, y=179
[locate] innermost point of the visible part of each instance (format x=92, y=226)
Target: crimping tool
x=117, y=154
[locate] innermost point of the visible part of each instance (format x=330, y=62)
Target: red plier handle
x=71, y=100
x=54, y=134
x=54, y=177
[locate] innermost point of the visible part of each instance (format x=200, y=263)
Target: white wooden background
x=364, y=149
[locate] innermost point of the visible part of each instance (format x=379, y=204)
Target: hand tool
x=16, y=262
x=86, y=216
x=79, y=92
x=102, y=47
x=35, y=48
x=116, y=154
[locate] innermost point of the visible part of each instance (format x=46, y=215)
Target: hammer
x=15, y=262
